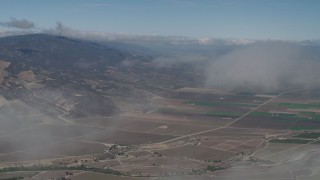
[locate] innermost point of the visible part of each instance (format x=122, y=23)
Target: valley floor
x=195, y=134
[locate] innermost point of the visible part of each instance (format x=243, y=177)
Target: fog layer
x=266, y=66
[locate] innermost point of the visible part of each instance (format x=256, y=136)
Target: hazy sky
x=253, y=19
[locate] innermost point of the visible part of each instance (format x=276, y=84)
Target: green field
x=259, y=113
x=294, y=141
x=313, y=115
x=215, y=104
x=300, y=105
x=247, y=93
x=224, y=114
x=280, y=120
x=203, y=113
x=307, y=113
x=299, y=128
x=279, y=115
x=180, y=111
x=276, y=118
x=309, y=135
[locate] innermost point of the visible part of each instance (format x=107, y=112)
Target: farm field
x=25, y=175
x=69, y=148
x=197, y=152
x=125, y=137
x=100, y=176
x=182, y=134
x=55, y=174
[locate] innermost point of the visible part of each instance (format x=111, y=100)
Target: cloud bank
x=19, y=24
x=234, y=64
x=266, y=66
x=231, y=64
x=64, y=30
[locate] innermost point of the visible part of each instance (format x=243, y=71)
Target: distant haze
x=266, y=66
x=231, y=64
x=234, y=64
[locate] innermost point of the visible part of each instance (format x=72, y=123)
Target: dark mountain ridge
x=45, y=69
x=80, y=78
x=42, y=50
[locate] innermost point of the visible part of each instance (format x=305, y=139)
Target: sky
x=247, y=19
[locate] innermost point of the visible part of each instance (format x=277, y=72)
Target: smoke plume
x=18, y=23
